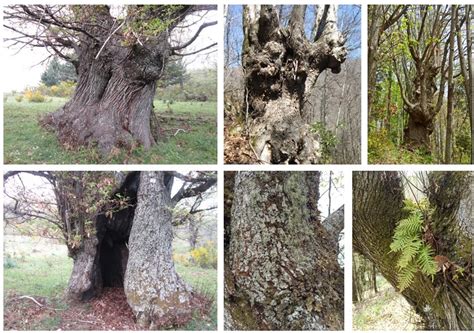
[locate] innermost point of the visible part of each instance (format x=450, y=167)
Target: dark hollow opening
x=113, y=233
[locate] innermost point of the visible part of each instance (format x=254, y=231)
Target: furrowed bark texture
x=112, y=105
x=155, y=292
x=281, y=67
x=445, y=303
x=282, y=271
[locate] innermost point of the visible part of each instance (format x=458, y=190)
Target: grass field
x=38, y=268
x=25, y=142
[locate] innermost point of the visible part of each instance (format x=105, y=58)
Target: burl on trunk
x=281, y=67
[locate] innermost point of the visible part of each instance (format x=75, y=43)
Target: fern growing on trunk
x=415, y=254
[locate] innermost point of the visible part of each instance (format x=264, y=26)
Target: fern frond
x=409, y=252
x=426, y=260
x=406, y=276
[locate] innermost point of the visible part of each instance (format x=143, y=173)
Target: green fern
x=415, y=254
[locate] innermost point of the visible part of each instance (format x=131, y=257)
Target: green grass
x=40, y=276
x=25, y=142
x=203, y=281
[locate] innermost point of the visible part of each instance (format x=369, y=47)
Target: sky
x=21, y=69
x=344, y=12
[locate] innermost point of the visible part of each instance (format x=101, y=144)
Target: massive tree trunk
x=155, y=292
x=112, y=105
x=446, y=302
x=281, y=67
x=422, y=112
x=281, y=269
x=97, y=237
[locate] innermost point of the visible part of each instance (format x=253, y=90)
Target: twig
x=108, y=38
x=179, y=130
x=32, y=299
x=256, y=155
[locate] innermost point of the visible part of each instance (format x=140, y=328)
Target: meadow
x=190, y=130
x=37, y=268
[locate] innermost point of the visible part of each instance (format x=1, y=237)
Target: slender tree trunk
x=356, y=294
x=374, y=32
x=155, y=292
x=378, y=202
x=193, y=229
x=470, y=60
x=374, y=278
x=389, y=101
x=449, y=111
x=281, y=67
x=282, y=271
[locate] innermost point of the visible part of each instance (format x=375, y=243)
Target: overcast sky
x=21, y=69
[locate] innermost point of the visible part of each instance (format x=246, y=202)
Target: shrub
x=205, y=256
x=33, y=95
x=182, y=259
x=9, y=262
x=5, y=98
x=62, y=89
x=18, y=98
x=327, y=140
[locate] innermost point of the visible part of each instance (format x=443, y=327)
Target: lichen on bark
x=281, y=272
x=155, y=292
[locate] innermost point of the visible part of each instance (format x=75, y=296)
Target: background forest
x=334, y=112
x=420, y=84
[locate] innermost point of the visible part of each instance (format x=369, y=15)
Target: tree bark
x=445, y=303
x=155, y=292
x=470, y=60
x=281, y=67
x=281, y=269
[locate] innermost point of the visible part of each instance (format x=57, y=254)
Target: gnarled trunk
x=280, y=67
x=99, y=248
x=155, y=292
x=281, y=268
x=446, y=302
x=112, y=105
x=422, y=114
